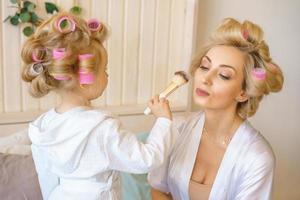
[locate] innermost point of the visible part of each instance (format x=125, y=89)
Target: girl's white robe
x=77, y=154
x=246, y=171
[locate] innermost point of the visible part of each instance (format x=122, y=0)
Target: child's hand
x=160, y=107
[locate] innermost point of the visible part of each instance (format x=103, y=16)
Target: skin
x=217, y=90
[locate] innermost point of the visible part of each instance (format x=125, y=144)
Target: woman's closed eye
x=224, y=77
x=203, y=68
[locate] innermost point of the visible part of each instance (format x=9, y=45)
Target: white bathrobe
x=77, y=154
x=246, y=171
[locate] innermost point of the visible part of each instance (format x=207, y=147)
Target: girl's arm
x=125, y=153
x=158, y=195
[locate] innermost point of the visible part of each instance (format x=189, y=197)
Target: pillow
x=18, y=178
x=135, y=186
x=16, y=143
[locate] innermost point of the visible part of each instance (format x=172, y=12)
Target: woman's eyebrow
x=222, y=65
x=207, y=58
x=228, y=66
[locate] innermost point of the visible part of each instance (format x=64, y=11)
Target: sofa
x=18, y=178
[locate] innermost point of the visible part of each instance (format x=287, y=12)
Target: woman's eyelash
x=203, y=67
x=224, y=77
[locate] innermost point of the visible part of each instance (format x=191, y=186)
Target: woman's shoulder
x=259, y=150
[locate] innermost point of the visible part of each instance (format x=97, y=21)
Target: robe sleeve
x=257, y=181
x=126, y=153
x=158, y=177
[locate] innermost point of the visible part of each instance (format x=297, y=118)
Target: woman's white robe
x=246, y=171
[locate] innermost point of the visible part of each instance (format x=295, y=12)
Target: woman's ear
x=242, y=97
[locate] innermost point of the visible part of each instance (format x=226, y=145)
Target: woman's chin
x=200, y=100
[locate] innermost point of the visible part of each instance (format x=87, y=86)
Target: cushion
x=18, y=178
x=135, y=186
x=17, y=143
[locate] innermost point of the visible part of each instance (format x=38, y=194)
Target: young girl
x=219, y=155
x=77, y=149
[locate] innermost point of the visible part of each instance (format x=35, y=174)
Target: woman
x=219, y=155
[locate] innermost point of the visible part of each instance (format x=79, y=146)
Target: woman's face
x=219, y=78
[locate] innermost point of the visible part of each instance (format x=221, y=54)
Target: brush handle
x=164, y=94
x=147, y=111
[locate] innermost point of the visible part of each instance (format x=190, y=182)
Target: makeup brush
x=178, y=80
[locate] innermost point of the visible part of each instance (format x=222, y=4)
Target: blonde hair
x=248, y=38
x=46, y=38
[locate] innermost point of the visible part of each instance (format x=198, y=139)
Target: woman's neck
x=221, y=123
x=71, y=100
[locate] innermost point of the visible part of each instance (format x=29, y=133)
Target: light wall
x=278, y=115
x=149, y=41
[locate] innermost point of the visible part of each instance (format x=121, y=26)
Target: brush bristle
x=180, y=78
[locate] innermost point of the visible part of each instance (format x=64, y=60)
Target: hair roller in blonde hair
x=58, y=53
x=259, y=74
x=245, y=34
x=36, y=69
x=98, y=29
x=85, y=77
x=94, y=25
x=65, y=24
x=39, y=54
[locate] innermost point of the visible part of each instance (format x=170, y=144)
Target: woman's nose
x=206, y=79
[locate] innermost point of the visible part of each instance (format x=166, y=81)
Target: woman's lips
x=201, y=93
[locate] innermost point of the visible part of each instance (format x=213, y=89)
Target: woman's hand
x=160, y=107
x=158, y=195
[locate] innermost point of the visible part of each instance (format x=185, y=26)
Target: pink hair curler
x=69, y=27
x=34, y=56
x=85, y=56
x=245, y=34
x=94, y=25
x=86, y=77
x=259, y=73
x=58, y=53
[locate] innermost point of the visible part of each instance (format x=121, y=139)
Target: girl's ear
x=242, y=97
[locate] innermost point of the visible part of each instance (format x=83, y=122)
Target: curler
x=58, y=53
x=94, y=25
x=84, y=56
x=259, y=73
x=65, y=28
x=86, y=77
x=178, y=80
x=34, y=55
x=245, y=34
x=34, y=58
x=36, y=69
